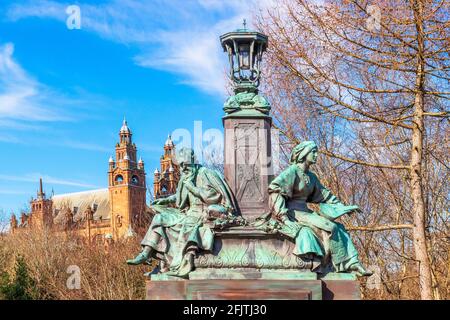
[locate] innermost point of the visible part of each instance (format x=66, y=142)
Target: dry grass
x=104, y=273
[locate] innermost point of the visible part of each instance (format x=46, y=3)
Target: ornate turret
x=111, y=163
x=13, y=222
x=89, y=214
x=141, y=163
x=127, y=187
x=41, y=210
x=40, y=193
x=23, y=219
x=169, y=147
x=125, y=128
x=166, y=179
x=125, y=149
x=156, y=178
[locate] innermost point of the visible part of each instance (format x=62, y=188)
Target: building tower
x=41, y=210
x=127, y=187
x=13, y=222
x=165, y=181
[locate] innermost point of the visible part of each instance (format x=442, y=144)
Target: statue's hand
x=160, y=201
x=189, y=177
x=354, y=209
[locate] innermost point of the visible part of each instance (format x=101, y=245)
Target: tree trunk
x=419, y=210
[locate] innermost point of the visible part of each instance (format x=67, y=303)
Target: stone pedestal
x=169, y=288
x=248, y=167
x=247, y=264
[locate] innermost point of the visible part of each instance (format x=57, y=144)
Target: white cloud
x=11, y=124
x=28, y=105
x=43, y=8
x=13, y=192
x=194, y=56
x=21, y=96
x=181, y=37
x=82, y=146
x=34, y=177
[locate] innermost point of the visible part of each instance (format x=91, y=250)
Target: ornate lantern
x=245, y=49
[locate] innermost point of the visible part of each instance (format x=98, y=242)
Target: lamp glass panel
x=244, y=56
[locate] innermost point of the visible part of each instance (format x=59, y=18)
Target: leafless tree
x=369, y=80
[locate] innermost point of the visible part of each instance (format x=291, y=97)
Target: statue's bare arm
x=166, y=200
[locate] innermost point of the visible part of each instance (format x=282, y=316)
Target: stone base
x=254, y=285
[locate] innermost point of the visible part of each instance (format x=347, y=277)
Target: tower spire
x=41, y=194
x=124, y=128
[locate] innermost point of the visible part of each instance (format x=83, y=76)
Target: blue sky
x=64, y=93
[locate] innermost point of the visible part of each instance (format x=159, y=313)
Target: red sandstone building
x=110, y=213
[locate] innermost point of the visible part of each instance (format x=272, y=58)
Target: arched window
x=135, y=180
x=119, y=179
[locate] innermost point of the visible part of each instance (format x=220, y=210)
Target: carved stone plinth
x=234, y=290
x=247, y=263
x=249, y=248
x=248, y=167
x=170, y=288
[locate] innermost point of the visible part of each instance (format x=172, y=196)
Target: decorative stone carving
x=254, y=249
x=247, y=156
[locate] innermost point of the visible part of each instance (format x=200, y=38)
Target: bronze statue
x=315, y=233
x=202, y=202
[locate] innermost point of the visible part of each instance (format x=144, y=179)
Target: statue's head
x=306, y=151
x=185, y=158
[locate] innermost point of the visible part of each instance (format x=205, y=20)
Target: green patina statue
x=315, y=233
x=185, y=221
x=247, y=102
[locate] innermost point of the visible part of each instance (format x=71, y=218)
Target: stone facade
x=166, y=179
x=109, y=213
x=127, y=189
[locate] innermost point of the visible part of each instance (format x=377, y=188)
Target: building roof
x=169, y=141
x=125, y=128
x=81, y=200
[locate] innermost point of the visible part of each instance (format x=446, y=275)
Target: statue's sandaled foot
x=360, y=270
x=139, y=259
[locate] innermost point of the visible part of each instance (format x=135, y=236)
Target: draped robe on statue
x=174, y=231
x=290, y=192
